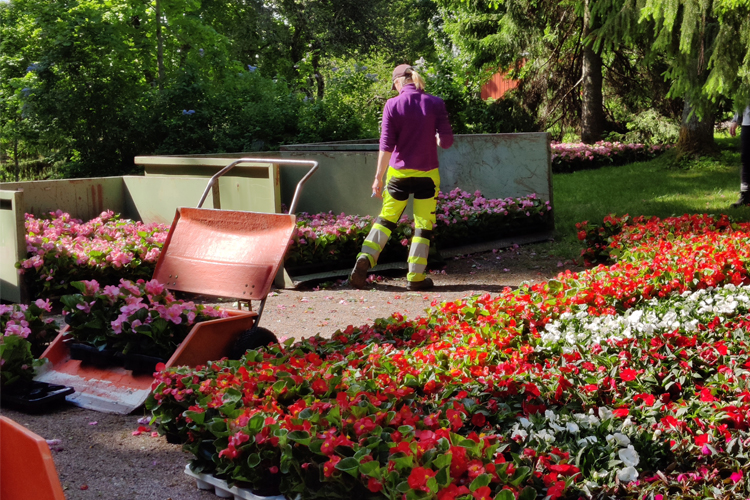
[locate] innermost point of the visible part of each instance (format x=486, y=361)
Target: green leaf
x=253, y=460
x=480, y=481
x=508, y=495
x=301, y=437
x=519, y=476
x=528, y=493
x=348, y=465
x=442, y=461
x=196, y=417
x=443, y=477
x=371, y=469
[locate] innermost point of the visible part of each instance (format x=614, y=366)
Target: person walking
x=414, y=124
x=744, y=155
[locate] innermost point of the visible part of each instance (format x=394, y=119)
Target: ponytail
x=412, y=76
x=417, y=79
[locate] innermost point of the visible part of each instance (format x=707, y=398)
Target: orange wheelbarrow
x=229, y=254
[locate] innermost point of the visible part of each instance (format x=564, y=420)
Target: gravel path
x=99, y=457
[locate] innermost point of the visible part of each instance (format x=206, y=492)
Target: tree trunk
x=696, y=136
x=592, y=105
x=319, y=81
x=159, y=45
x=15, y=156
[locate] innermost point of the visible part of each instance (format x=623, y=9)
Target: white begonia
x=585, y=441
x=556, y=427
x=544, y=435
x=519, y=433
x=525, y=422
x=619, y=438
x=627, y=474
x=629, y=456
x=550, y=415
x=605, y=413
x=685, y=311
x=572, y=427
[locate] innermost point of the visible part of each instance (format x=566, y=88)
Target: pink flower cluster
x=62, y=249
x=14, y=318
x=103, y=241
x=143, y=313
x=326, y=237
x=568, y=157
x=459, y=205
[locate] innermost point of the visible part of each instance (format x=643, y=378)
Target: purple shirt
x=410, y=121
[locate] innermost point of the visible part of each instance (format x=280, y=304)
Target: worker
x=414, y=124
x=743, y=121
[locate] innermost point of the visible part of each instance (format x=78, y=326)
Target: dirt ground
x=97, y=455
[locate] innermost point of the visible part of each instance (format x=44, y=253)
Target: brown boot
x=416, y=286
x=358, y=276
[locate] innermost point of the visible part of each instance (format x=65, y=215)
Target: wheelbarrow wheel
x=252, y=339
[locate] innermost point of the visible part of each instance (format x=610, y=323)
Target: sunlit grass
x=659, y=187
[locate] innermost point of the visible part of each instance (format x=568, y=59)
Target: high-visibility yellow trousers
x=425, y=187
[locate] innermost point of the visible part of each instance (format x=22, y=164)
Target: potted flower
x=140, y=323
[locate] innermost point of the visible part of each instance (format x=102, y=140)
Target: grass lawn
x=657, y=187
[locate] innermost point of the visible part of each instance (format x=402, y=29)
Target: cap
x=401, y=70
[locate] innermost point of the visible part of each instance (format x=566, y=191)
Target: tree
x=709, y=59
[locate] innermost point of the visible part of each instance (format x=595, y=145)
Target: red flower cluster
x=470, y=401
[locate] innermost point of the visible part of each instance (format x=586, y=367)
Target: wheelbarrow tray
x=224, y=253
x=118, y=390
x=211, y=252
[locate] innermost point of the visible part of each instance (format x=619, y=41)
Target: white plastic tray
x=223, y=490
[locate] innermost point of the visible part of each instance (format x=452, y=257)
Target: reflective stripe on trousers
x=399, y=184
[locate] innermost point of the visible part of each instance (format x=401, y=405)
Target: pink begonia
x=12, y=328
x=43, y=304
x=130, y=287
x=117, y=323
x=129, y=309
x=153, y=287
x=86, y=306
x=120, y=259
x=92, y=286
x=173, y=314
x=111, y=292
x=35, y=261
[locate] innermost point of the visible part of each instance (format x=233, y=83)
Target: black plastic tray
x=34, y=397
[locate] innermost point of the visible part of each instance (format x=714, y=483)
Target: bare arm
x=384, y=157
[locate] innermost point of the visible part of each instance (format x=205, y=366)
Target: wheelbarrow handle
x=280, y=161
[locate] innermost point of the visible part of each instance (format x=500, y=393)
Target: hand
x=733, y=129
x=377, y=188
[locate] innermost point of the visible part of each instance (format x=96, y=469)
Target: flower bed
x=462, y=218
x=625, y=381
x=140, y=317
x=605, y=242
x=571, y=157
x=107, y=249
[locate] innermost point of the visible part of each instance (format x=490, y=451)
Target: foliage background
x=86, y=85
